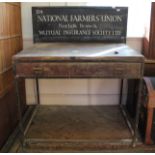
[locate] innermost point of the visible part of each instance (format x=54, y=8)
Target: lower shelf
x=67, y=126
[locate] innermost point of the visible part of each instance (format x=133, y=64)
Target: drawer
x=79, y=70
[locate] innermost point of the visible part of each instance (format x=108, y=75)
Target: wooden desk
x=79, y=60
x=149, y=68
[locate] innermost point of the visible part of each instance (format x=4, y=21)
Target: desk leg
x=34, y=112
x=121, y=92
x=123, y=110
x=37, y=102
x=137, y=114
x=37, y=91
x=21, y=128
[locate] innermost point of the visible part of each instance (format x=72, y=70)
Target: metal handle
x=119, y=71
x=38, y=69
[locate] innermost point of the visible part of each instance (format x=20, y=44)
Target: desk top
x=79, y=52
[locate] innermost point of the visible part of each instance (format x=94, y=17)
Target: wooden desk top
x=149, y=61
x=79, y=52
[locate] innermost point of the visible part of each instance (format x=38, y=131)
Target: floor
x=79, y=129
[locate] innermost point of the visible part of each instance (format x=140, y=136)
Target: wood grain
x=6, y=81
x=150, y=105
x=152, y=33
x=148, y=45
x=79, y=52
x=81, y=70
x=10, y=40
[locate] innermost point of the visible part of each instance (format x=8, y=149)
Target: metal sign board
x=79, y=24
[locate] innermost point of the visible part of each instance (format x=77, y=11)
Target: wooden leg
x=149, y=126
x=21, y=128
x=37, y=91
x=137, y=114
x=121, y=92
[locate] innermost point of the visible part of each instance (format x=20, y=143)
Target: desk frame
x=134, y=132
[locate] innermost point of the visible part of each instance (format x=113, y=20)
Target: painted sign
x=79, y=24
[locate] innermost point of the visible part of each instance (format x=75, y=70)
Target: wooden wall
x=148, y=43
x=152, y=33
x=10, y=43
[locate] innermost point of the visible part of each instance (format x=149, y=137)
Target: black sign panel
x=80, y=24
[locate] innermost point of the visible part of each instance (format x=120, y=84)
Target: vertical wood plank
x=10, y=43
x=148, y=43
x=1, y=15
x=1, y=57
x=152, y=33
x=10, y=38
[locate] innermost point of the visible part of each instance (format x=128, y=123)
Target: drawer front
x=79, y=70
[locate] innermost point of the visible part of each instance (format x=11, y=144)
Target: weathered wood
x=149, y=68
x=145, y=48
x=81, y=60
x=148, y=43
x=148, y=101
x=79, y=70
x=79, y=52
